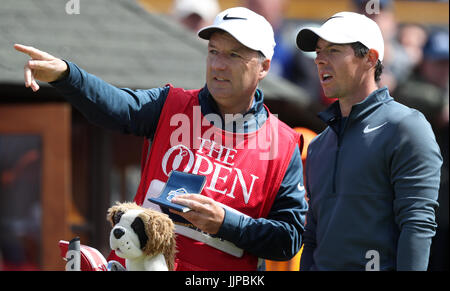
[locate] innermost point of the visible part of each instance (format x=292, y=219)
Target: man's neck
x=234, y=110
x=346, y=103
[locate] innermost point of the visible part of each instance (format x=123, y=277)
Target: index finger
x=33, y=52
x=187, y=200
x=194, y=197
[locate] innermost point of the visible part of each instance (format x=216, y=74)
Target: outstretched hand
x=42, y=66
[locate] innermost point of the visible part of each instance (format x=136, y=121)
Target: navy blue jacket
x=372, y=184
x=137, y=112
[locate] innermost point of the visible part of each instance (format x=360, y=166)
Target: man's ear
x=372, y=58
x=265, y=66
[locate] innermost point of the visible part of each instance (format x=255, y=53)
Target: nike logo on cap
x=338, y=16
x=226, y=17
x=367, y=129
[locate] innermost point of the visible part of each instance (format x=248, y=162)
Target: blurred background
x=59, y=174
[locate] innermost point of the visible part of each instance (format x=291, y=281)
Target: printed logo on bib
x=215, y=161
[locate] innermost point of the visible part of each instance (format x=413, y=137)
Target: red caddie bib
x=243, y=171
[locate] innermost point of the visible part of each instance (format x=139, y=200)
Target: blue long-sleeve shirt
x=277, y=237
x=372, y=183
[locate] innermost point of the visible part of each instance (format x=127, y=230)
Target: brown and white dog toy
x=144, y=238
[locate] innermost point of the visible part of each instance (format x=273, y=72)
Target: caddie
x=254, y=195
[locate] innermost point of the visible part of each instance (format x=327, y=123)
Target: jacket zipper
x=340, y=134
x=335, y=165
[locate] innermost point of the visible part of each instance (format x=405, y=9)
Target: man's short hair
x=360, y=51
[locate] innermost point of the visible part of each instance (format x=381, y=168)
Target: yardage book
x=179, y=183
x=185, y=183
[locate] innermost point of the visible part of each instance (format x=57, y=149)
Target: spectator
x=195, y=14
x=412, y=37
x=427, y=88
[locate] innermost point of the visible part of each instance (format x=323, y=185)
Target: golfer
x=373, y=174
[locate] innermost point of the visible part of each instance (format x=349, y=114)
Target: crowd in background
x=416, y=71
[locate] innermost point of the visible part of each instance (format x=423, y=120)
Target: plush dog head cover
x=154, y=230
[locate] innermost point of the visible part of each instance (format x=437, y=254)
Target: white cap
x=249, y=28
x=206, y=9
x=343, y=28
